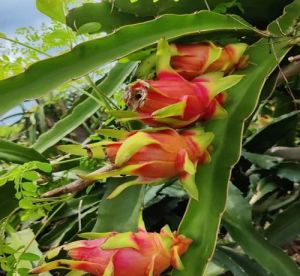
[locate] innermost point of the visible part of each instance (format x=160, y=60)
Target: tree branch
x=77, y=185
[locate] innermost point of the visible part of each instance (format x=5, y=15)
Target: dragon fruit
x=122, y=254
x=193, y=60
x=174, y=101
x=153, y=155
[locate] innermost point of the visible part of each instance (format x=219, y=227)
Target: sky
x=19, y=13
x=14, y=14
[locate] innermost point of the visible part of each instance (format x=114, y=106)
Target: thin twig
x=294, y=58
x=107, y=102
x=206, y=4
x=290, y=70
x=282, y=73
x=77, y=185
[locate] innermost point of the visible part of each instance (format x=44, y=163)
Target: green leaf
x=30, y=257
x=48, y=74
x=53, y=8
x=25, y=239
x=237, y=263
x=214, y=269
x=119, y=214
x=23, y=271
x=226, y=261
x=285, y=227
x=262, y=160
x=263, y=187
x=202, y=219
x=237, y=220
x=8, y=201
x=31, y=175
x=267, y=137
x=266, y=12
x=109, y=18
x=29, y=186
x=290, y=171
x=26, y=203
x=84, y=110
x=45, y=167
x=91, y=27
x=11, y=152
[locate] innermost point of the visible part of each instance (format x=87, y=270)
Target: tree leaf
x=26, y=203
x=48, y=74
x=110, y=18
x=83, y=110
x=119, y=214
x=272, y=133
x=11, y=152
x=30, y=257
x=91, y=27
x=285, y=227
x=25, y=239
x=202, y=218
x=237, y=220
x=53, y=8
x=262, y=160
x=289, y=170
x=237, y=263
x=266, y=12
x=29, y=186
x=8, y=202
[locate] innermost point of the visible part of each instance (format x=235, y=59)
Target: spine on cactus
x=122, y=254
x=175, y=101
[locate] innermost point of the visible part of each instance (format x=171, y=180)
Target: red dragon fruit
x=174, y=101
x=154, y=156
x=122, y=254
x=193, y=60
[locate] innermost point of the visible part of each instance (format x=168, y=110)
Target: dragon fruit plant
x=122, y=254
x=173, y=100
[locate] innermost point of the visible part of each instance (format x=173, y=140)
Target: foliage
x=75, y=72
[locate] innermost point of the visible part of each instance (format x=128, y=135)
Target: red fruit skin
x=161, y=159
x=211, y=109
x=192, y=59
